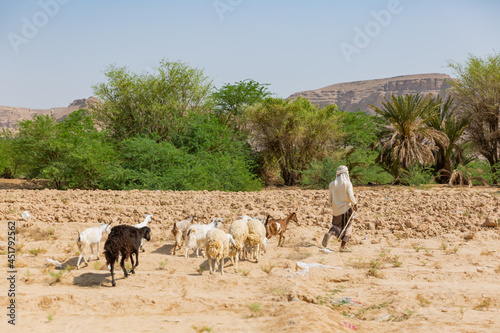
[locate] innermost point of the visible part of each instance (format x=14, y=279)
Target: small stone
x=490, y=222
x=480, y=269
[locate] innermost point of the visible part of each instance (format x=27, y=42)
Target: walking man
x=341, y=197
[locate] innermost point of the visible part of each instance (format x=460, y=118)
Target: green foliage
x=135, y=104
x=231, y=100
x=409, y=140
x=320, y=173
x=72, y=153
x=360, y=133
x=477, y=91
x=291, y=134
x=360, y=130
x=207, y=158
x=453, y=125
x=6, y=160
x=416, y=175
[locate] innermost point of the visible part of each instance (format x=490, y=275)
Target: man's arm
x=350, y=195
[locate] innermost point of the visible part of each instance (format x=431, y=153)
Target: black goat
x=124, y=240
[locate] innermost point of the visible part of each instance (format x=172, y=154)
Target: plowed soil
x=421, y=261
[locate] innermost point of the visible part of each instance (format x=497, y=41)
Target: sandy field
x=421, y=261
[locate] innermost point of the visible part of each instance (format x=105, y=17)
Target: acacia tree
x=408, y=139
x=231, y=100
x=477, y=92
x=133, y=104
x=292, y=134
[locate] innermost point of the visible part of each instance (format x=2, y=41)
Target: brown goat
x=278, y=227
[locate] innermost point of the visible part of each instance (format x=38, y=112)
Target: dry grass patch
x=37, y=234
x=424, y=302
x=37, y=251
x=485, y=304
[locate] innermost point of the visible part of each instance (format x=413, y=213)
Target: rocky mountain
x=9, y=116
x=356, y=95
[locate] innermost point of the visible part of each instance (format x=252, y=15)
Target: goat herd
x=245, y=236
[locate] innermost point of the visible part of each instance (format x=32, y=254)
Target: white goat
x=143, y=224
x=89, y=237
x=197, y=234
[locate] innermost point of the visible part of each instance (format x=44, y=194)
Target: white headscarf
x=343, y=174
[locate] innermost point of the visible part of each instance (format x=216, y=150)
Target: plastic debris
x=325, y=250
x=384, y=318
x=55, y=262
x=26, y=216
x=346, y=324
x=306, y=266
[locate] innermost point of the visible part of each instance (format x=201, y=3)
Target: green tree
x=7, y=169
x=355, y=149
x=446, y=121
x=72, y=153
x=134, y=104
x=292, y=134
x=409, y=140
x=477, y=92
x=231, y=100
x=203, y=157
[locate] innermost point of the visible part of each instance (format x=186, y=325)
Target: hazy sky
x=53, y=51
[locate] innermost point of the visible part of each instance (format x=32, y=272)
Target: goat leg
x=210, y=265
x=112, y=270
x=136, y=262
x=122, y=264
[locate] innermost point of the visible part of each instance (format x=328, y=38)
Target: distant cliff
x=352, y=96
x=9, y=115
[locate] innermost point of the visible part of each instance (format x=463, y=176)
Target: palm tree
x=408, y=139
x=448, y=158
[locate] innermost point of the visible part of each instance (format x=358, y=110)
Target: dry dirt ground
x=420, y=262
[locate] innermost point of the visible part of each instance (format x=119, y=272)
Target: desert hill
x=9, y=116
x=352, y=96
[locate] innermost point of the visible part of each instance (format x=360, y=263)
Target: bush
x=204, y=157
x=72, y=153
x=291, y=134
x=416, y=175
x=362, y=170
x=6, y=162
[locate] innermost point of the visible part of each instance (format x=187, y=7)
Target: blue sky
x=53, y=51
